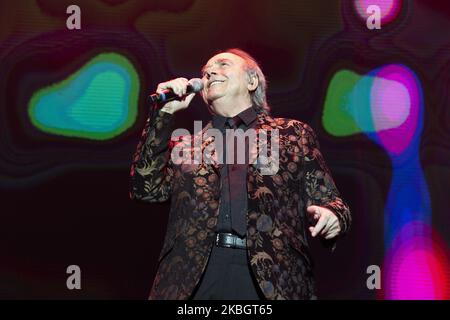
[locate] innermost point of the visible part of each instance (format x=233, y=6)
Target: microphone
x=195, y=85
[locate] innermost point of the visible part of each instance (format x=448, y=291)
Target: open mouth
x=215, y=82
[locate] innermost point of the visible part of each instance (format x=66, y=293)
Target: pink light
x=389, y=9
x=412, y=277
x=417, y=266
x=408, y=100
x=390, y=104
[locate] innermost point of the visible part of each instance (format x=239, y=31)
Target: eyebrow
x=217, y=61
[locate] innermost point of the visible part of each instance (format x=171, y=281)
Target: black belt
x=229, y=240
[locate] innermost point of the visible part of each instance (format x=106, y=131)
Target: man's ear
x=253, y=83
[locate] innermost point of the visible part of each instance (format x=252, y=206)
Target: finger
x=172, y=85
x=333, y=232
x=163, y=86
x=336, y=227
x=314, y=211
x=189, y=98
x=175, y=85
x=331, y=235
x=327, y=227
x=178, y=87
x=319, y=226
x=332, y=223
x=184, y=84
x=180, y=90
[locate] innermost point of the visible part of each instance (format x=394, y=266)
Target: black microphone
x=195, y=85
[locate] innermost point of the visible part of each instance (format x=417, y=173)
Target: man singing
x=233, y=232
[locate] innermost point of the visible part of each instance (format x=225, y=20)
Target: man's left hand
x=327, y=223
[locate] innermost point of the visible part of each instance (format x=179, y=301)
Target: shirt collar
x=247, y=116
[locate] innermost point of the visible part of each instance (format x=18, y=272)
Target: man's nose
x=209, y=73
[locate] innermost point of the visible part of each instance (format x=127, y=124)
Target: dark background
x=65, y=201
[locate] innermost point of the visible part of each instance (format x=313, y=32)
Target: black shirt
x=233, y=177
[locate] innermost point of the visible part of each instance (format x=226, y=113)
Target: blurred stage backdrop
x=72, y=106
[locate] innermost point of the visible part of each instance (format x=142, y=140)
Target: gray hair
x=252, y=68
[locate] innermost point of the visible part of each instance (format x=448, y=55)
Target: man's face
x=224, y=77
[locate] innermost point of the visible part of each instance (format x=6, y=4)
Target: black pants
x=228, y=277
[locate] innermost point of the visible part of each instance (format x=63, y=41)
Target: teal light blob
x=97, y=102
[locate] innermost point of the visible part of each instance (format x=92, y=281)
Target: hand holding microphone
x=175, y=95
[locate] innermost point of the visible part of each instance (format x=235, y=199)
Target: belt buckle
x=225, y=245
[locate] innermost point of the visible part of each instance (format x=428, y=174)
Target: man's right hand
x=178, y=86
